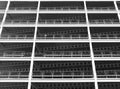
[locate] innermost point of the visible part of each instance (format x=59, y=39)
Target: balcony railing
x=104, y=21
x=16, y=37
x=64, y=54
x=108, y=73
x=106, y=36
x=23, y=8
x=62, y=36
x=101, y=8
x=63, y=74
x=61, y=21
x=11, y=74
x=15, y=54
x=62, y=8
x=20, y=22
x=107, y=54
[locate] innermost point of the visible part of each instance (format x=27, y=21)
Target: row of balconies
x=60, y=85
x=60, y=5
x=59, y=69
x=55, y=18
x=60, y=33
x=65, y=18
x=46, y=50
x=27, y=19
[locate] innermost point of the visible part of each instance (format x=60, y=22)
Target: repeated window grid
x=59, y=69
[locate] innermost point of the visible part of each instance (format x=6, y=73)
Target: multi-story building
x=59, y=44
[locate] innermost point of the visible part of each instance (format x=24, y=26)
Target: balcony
x=15, y=50
x=61, y=5
x=23, y=6
x=105, y=33
x=100, y=6
x=13, y=85
x=63, y=85
x=62, y=33
x=17, y=33
x=108, y=69
x=14, y=69
x=62, y=18
x=69, y=50
x=106, y=50
x=108, y=18
x=20, y=19
x=3, y=5
x=62, y=69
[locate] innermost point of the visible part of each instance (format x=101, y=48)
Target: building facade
x=60, y=44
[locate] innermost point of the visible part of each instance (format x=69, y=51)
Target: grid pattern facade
x=48, y=44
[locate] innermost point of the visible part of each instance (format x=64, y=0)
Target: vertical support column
x=91, y=49
x=116, y=7
x=4, y=16
x=33, y=49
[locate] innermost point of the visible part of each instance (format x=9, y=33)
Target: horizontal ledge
x=64, y=59
x=46, y=40
x=62, y=25
x=11, y=59
x=59, y=11
x=59, y=40
x=75, y=80
x=105, y=40
x=59, y=0
x=15, y=58
x=63, y=40
x=106, y=58
x=63, y=80
x=108, y=80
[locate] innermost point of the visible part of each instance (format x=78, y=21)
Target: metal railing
x=10, y=74
x=20, y=22
x=15, y=54
x=62, y=8
x=62, y=36
x=108, y=73
x=63, y=74
x=21, y=36
x=107, y=53
x=64, y=54
x=101, y=8
x=61, y=21
x=104, y=21
x=106, y=36
x=23, y=8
